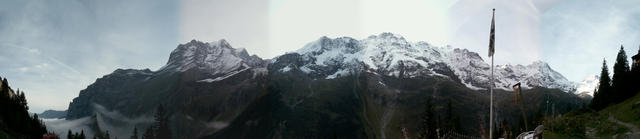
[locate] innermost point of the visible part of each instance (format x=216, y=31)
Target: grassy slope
x=574, y=124
x=623, y=111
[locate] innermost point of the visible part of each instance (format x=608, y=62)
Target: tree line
x=14, y=116
x=71, y=135
x=621, y=86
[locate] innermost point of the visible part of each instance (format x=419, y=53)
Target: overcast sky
x=53, y=49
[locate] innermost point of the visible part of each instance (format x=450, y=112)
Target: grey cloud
x=61, y=126
x=81, y=40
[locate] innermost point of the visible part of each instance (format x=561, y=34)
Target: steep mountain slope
x=203, y=86
x=298, y=104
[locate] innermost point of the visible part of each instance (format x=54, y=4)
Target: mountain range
x=370, y=88
x=392, y=55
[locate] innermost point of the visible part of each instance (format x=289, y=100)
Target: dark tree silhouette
x=162, y=124
x=602, y=97
x=106, y=135
x=452, y=122
x=148, y=134
x=70, y=135
x=82, y=134
x=14, y=116
x=135, y=133
x=428, y=127
x=620, y=77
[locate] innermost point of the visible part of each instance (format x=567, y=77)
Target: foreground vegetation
x=611, y=111
x=588, y=123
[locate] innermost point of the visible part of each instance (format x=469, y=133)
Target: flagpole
x=491, y=106
x=491, y=53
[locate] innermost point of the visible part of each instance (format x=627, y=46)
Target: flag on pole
x=492, y=37
x=491, y=51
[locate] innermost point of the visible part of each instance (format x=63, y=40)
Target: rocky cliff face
x=107, y=90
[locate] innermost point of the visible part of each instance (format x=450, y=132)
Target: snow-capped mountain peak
x=538, y=73
x=216, y=58
x=588, y=85
x=390, y=54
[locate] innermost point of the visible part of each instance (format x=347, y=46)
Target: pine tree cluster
x=14, y=116
x=71, y=135
x=621, y=86
x=432, y=123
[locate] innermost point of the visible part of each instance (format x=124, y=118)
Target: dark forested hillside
x=15, y=121
x=365, y=105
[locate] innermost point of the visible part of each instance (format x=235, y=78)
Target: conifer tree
x=601, y=97
x=428, y=127
x=148, y=134
x=23, y=101
x=5, y=86
x=106, y=135
x=82, y=136
x=162, y=124
x=69, y=134
x=620, y=76
x=449, y=116
x=135, y=133
x=452, y=120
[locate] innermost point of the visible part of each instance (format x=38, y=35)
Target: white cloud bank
x=117, y=124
